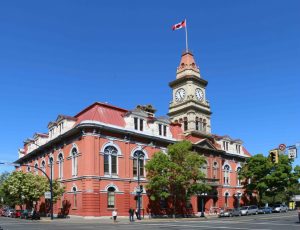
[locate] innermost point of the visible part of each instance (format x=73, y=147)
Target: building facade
x=98, y=153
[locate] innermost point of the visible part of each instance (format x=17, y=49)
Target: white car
x=249, y=210
x=280, y=208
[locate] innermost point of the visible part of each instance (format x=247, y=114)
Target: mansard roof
x=103, y=112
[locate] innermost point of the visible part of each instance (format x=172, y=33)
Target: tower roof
x=187, y=66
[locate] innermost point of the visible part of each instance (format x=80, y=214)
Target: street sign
x=292, y=153
x=282, y=147
x=47, y=195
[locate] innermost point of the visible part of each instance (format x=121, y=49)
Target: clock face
x=180, y=95
x=199, y=94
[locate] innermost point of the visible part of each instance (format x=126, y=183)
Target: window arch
x=226, y=174
x=215, y=170
x=60, y=165
x=111, y=197
x=36, y=168
x=28, y=169
x=43, y=166
x=226, y=198
x=51, y=166
x=138, y=163
x=110, y=160
x=74, y=190
x=74, y=156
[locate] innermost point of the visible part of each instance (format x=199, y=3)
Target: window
x=226, y=174
x=225, y=145
x=204, y=125
x=141, y=124
x=238, y=148
x=197, y=123
x=204, y=169
x=51, y=166
x=238, y=181
x=74, y=155
x=138, y=163
x=110, y=160
x=36, y=169
x=215, y=170
x=43, y=167
x=136, y=123
x=74, y=190
x=111, y=197
x=162, y=130
x=185, y=124
x=28, y=168
x=60, y=166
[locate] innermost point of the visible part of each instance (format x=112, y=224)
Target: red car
x=16, y=214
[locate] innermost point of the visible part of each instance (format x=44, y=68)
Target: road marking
x=203, y=226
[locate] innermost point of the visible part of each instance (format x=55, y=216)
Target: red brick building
x=95, y=151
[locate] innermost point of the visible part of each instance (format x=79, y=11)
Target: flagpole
x=186, y=38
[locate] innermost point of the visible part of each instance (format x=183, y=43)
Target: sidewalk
x=122, y=219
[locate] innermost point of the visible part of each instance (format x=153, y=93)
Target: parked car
x=280, y=208
x=16, y=214
x=249, y=210
x=264, y=210
x=9, y=212
x=226, y=213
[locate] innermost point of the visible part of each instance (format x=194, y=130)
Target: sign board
x=47, y=195
x=292, y=153
x=282, y=147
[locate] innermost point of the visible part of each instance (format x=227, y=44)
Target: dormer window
x=225, y=145
x=138, y=124
x=238, y=148
x=162, y=130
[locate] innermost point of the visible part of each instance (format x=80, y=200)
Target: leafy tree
x=176, y=175
x=3, y=177
x=273, y=182
x=24, y=188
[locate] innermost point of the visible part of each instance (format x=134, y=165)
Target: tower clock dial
x=199, y=94
x=179, y=95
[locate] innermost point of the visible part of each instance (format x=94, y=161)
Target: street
x=259, y=222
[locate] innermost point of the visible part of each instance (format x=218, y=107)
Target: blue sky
x=58, y=57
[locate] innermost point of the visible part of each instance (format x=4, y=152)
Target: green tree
x=3, y=177
x=272, y=182
x=176, y=175
x=24, y=188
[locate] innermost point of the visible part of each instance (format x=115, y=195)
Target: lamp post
x=140, y=187
x=203, y=195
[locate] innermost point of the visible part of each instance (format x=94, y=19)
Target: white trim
x=139, y=148
x=74, y=186
x=226, y=163
x=112, y=185
x=227, y=193
x=111, y=143
x=238, y=166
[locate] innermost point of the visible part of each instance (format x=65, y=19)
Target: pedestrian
x=137, y=214
x=114, y=215
x=131, y=214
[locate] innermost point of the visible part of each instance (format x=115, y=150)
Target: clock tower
x=189, y=106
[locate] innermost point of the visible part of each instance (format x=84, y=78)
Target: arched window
x=204, y=168
x=74, y=190
x=197, y=123
x=226, y=174
x=60, y=166
x=28, y=168
x=111, y=197
x=51, y=166
x=36, y=168
x=43, y=166
x=138, y=163
x=215, y=170
x=238, y=180
x=74, y=155
x=110, y=160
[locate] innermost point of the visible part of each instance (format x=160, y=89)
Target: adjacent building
x=98, y=153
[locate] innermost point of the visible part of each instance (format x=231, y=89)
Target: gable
x=206, y=144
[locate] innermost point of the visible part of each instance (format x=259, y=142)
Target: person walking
x=131, y=214
x=114, y=215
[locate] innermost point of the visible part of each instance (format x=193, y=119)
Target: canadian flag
x=179, y=25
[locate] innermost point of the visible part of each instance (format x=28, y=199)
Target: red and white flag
x=179, y=25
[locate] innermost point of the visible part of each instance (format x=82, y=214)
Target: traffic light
x=273, y=156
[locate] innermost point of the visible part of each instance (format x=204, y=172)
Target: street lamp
x=139, y=154
x=203, y=195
